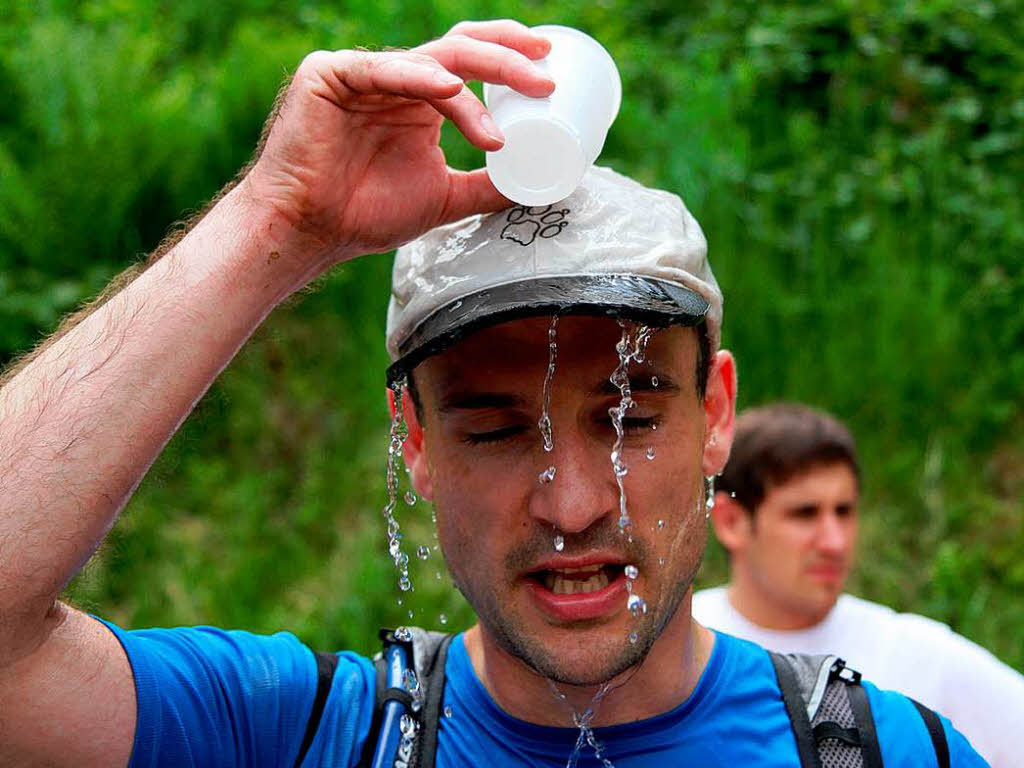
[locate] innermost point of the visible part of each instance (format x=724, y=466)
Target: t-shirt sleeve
x=903, y=737
x=212, y=698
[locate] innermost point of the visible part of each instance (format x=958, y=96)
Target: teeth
x=555, y=582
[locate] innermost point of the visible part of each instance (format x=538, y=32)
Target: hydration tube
x=390, y=729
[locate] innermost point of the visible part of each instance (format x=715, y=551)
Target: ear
x=719, y=412
x=731, y=522
x=413, y=449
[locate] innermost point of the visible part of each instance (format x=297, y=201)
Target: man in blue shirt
x=576, y=539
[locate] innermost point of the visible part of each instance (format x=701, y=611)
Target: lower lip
x=826, y=574
x=578, y=606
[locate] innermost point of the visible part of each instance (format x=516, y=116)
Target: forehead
x=517, y=353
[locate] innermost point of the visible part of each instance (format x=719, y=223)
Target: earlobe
x=730, y=523
x=414, y=449
x=719, y=412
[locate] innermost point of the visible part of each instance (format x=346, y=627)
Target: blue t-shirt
x=207, y=697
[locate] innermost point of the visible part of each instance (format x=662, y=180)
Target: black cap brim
x=647, y=300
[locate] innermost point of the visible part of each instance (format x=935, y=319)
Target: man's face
x=801, y=542
x=564, y=612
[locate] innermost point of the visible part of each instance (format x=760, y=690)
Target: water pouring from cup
x=551, y=142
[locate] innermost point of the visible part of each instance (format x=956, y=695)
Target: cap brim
x=647, y=300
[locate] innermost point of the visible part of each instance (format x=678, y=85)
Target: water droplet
x=633, y=637
x=661, y=524
x=410, y=613
x=410, y=681
x=636, y=605
x=455, y=306
x=443, y=619
x=650, y=452
x=631, y=571
x=732, y=494
x=410, y=498
x=403, y=634
x=398, y=600
x=654, y=426
x=407, y=725
x=654, y=381
x=544, y=424
x=404, y=584
x=423, y=552
x=447, y=711
x=661, y=561
x=559, y=543
x=546, y=476
x=437, y=575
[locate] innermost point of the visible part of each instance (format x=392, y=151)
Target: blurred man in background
x=786, y=511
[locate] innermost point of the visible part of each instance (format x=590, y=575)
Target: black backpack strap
x=366, y=757
x=431, y=714
x=869, y=750
x=326, y=663
x=796, y=708
x=936, y=731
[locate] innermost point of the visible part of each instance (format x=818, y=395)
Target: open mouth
x=577, y=581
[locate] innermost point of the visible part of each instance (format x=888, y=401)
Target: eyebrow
x=475, y=401
x=639, y=383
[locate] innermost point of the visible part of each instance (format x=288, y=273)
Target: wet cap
x=612, y=248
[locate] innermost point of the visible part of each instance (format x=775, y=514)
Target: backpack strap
x=431, y=714
x=428, y=652
x=370, y=745
x=936, y=731
x=858, y=698
x=326, y=663
x=794, y=697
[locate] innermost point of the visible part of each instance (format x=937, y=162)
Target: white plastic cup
x=551, y=142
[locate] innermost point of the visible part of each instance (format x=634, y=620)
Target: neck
x=765, y=610
x=665, y=678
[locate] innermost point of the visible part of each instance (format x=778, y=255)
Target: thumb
x=471, y=192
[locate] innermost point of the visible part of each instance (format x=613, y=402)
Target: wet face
x=801, y=545
x=480, y=456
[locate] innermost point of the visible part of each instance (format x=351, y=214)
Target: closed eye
x=494, y=435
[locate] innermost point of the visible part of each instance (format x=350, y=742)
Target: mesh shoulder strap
x=828, y=711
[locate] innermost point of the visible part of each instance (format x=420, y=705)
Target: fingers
x=471, y=192
x=339, y=75
x=472, y=119
x=506, y=32
x=473, y=59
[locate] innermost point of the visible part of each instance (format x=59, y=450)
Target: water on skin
x=546, y=476
x=559, y=543
x=630, y=348
x=544, y=424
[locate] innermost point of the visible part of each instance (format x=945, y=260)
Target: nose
x=583, y=489
x=834, y=533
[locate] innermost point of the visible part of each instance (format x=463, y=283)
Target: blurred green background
x=857, y=167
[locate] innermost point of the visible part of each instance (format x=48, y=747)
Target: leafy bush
x=857, y=169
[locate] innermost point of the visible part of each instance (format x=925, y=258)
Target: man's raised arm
x=350, y=165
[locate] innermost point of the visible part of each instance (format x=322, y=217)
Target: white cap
x=613, y=247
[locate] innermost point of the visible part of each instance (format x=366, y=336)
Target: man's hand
x=352, y=162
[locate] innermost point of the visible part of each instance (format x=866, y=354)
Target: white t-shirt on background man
x=917, y=656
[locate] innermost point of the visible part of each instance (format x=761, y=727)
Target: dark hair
x=703, y=368
x=774, y=443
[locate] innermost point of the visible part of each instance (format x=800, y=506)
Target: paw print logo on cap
x=526, y=224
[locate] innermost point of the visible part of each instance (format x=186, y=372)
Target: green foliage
x=856, y=166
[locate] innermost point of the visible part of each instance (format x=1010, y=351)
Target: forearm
x=82, y=423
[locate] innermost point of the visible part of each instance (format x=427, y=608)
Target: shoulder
x=206, y=695
x=902, y=733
